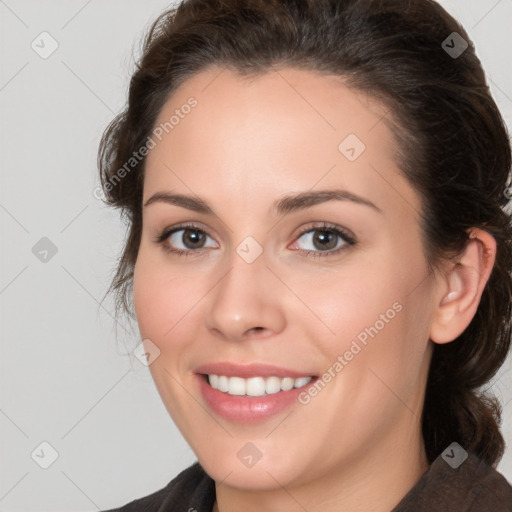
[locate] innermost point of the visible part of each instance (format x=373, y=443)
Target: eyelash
x=340, y=232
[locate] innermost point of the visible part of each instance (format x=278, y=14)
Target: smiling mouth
x=255, y=386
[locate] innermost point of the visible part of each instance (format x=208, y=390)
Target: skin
x=249, y=142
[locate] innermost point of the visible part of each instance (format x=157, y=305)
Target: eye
x=323, y=240
x=184, y=239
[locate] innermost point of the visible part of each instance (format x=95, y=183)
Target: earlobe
x=461, y=287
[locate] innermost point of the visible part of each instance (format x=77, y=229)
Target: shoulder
x=190, y=489
x=472, y=486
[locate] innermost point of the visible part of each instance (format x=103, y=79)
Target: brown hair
x=453, y=148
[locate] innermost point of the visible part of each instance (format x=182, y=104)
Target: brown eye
x=185, y=240
x=324, y=240
x=193, y=238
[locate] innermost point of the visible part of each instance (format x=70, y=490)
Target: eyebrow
x=283, y=206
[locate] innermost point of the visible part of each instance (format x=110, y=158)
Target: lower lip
x=248, y=409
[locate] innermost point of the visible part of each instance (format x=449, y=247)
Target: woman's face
x=304, y=259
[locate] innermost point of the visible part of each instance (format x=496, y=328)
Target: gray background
x=67, y=376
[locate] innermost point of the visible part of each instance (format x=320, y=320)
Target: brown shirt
x=473, y=486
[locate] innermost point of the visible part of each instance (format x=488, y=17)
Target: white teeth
x=214, y=381
x=255, y=386
x=301, y=382
x=223, y=384
x=273, y=385
x=236, y=386
x=287, y=384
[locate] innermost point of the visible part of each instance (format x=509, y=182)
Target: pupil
x=325, y=239
x=193, y=238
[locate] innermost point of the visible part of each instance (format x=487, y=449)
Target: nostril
x=255, y=329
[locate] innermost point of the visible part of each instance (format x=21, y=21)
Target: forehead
x=268, y=134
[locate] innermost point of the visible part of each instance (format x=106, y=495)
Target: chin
x=261, y=477
x=246, y=469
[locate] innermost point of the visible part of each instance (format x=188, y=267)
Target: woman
x=318, y=254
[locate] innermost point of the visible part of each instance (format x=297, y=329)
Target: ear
x=461, y=287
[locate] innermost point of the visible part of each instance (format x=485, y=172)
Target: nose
x=242, y=304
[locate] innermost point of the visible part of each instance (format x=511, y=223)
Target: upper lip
x=249, y=370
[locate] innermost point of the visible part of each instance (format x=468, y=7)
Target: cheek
x=148, y=298
x=347, y=301
x=162, y=296
x=378, y=317
x=164, y=299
